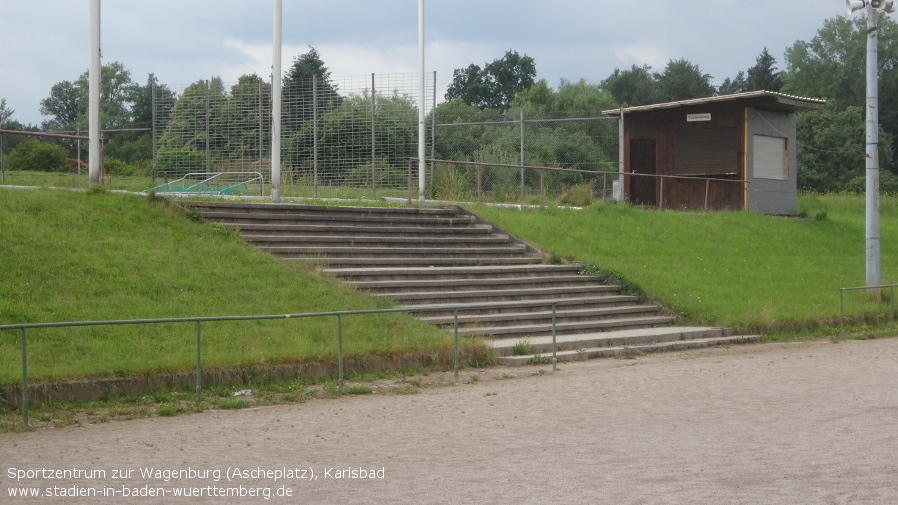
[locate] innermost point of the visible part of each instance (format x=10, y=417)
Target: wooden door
x=642, y=161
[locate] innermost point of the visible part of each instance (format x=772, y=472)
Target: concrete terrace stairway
x=445, y=256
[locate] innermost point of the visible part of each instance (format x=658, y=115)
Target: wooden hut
x=724, y=152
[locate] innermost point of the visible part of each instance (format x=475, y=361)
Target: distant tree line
x=829, y=66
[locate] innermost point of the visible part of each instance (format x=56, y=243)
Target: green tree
x=496, y=84
x=763, y=76
x=682, y=80
x=831, y=148
x=632, y=87
x=249, y=107
x=300, y=88
x=832, y=66
x=5, y=113
x=64, y=106
x=32, y=154
x=733, y=86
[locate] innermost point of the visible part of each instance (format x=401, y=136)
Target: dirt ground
x=813, y=422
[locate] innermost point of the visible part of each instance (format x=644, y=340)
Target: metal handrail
x=24, y=327
x=842, y=291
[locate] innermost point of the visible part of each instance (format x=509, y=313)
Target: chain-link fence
x=583, y=149
x=340, y=137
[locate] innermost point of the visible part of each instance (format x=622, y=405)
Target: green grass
x=738, y=269
x=99, y=256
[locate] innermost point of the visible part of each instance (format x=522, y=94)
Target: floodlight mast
x=873, y=258
x=93, y=113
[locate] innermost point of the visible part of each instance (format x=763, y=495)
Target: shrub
x=35, y=155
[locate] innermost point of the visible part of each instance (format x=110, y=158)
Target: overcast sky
x=181, y=41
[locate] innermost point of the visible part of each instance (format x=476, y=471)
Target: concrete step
x=524, y=318
x=456, y=284
x=543, y=344
x=451, y=272
x=496, y=295
x=365, y=240
x=354, y=262
x=238, y=218
x=567, y=328
x=366, y=229
x=581, y=303
x=395, y=252
x=626, y=351
x=293, y=208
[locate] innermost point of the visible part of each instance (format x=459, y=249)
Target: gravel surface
x=812, y=422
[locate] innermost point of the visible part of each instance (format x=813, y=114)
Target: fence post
x=208, y=128
x=542, y=185
x=340, y=351
x=841, y=313
x=604, y=186
x=315, y=134
x=409, y=202
x=455, y=312
x=24, y=379
x=707, y=189
x=199, y=371
x=554, y=340
x=373, y=145
x=522, y=154
x=479, y=182
x=892, y=306
x=661, y=195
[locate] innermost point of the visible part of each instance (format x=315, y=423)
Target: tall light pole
x=276, y=102
x=421, y=102
x=874, y=263
x=93, y=114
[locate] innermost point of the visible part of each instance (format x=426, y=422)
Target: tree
x=299, y=90
x=831, y=149
x=5, y=113
x=65, y=104
x=496, y=84
x=832, y=65
x=682, y=80
x=731, y=87
x=632, y=87
x=764, y=76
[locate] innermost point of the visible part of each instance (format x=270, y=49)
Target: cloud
x=641, y=54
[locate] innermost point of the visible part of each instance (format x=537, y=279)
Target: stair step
x=341, y=262
x=542, y=316
x=521, y=331
x=353, y=240
x=625, y=350
x=452, y=272
x=390, y=286
x=505, y=294
x=368, y=229
x=394, y=251
x=260, y=217
x=575, y=303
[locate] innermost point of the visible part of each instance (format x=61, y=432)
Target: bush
x=888, y=183
x=35, y=155
x=179, y=162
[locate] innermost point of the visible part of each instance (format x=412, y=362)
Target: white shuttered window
x=771, y=156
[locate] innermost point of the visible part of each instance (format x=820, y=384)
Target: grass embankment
x=97, y=256
x=752, y=272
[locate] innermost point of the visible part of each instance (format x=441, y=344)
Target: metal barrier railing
x=24, y=327
x=890, y=287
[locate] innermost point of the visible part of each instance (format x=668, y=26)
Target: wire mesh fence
x=583, y=149
x=339, y=136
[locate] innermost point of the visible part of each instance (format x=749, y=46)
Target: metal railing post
x=455, y=312
x=554, y=340
x=340, y=351
x=409, y=202
x=892, y=307
x=199, y=371
x=24, y=379
x=841, y=313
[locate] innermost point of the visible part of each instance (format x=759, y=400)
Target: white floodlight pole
x=874, y=269
x=93, y=115
x=276, y=103
x=421, y=101
x=873, y=259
